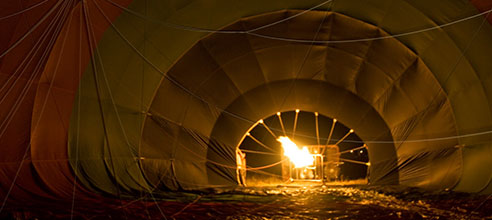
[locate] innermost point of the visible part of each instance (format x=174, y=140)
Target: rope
x=116, y=110
x=76, y=169
x=344, y=41
x=483, y=202
x=229, y=166
x=357, y=148
x=94, y=51
x=266, y=166
x=205, y=30
x=60, y=24
x=406, y=141
x=307, y=136
x=305, y=58
x=257, y=152
x=260, y=143
x=198, y=29
x=188, y=205
x=353, y=161
x=23, y=10
x=266, y=173
x=31, y=30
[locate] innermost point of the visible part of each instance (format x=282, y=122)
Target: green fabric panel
x=468, y=86
x=98, y=165
x=151, y=148
x=476, y=157
x=133, y=81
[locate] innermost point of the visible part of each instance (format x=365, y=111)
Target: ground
x=343, y=202
x=292, y=201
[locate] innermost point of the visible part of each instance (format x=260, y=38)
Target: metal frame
x=317, y=170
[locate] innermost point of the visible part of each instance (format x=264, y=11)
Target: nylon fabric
x=398, y=83
x=127, y=97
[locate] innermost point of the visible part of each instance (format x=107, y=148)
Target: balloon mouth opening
x=280, y=147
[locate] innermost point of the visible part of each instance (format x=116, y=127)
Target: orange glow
x=299, y=157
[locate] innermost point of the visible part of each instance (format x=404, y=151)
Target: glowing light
x=351, y=130
x=297, y=110
x=260, y=121
x=334, y=120
x=361, y=151
x=278, y=113
x=299, y=157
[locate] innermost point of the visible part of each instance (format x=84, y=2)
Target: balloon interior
x=179, y=109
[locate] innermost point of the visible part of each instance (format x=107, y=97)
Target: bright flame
x=300, y=157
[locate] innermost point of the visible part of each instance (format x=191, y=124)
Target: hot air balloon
x=116, y=98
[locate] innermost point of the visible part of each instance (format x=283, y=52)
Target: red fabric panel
x=20, y=69
x=33, y=127
x=25, y=187
x=53, y=107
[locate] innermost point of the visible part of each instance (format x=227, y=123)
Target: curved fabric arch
x=124, y=57
x=338, y=103
x=356, y=50
x=196, y=76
